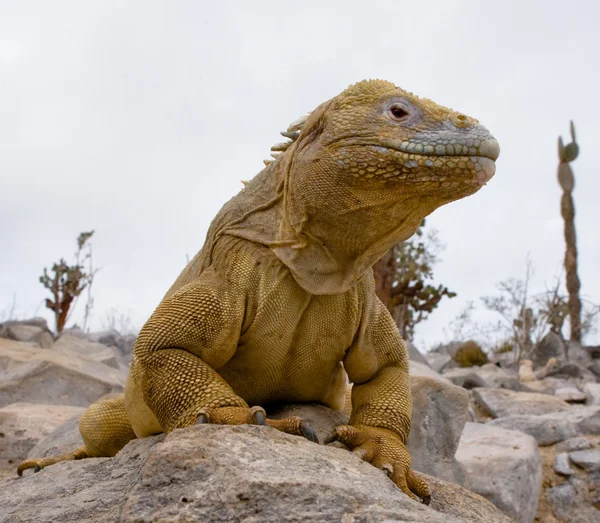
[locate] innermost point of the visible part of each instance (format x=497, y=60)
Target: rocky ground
x=499, y=443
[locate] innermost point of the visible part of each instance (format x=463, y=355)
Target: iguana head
x=363, y=171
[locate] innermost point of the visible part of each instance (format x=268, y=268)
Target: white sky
x=139, y=121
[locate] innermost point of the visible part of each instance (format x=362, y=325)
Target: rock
x=593, y=351
x=230, y=473
x=414, y=354
x=64, y=439
x=577, y=443
x=503, y=466
x=561, y=500
x=34, y=332
x=437, y=360
x=578, y=354
x=550, y=346
x=439, y=416
x=592, y=393
x=32, y=375
x=572, y=370
x=418, y=369
x=502, y=402
x=489, y=375
x=554, y=426
x=561, y=465
x=570, y=394
x=23, y=425
x=526, y=371
x=89, y=350
x=586, y=459
x=123, y=342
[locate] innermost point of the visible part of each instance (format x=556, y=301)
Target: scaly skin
x=280, y=305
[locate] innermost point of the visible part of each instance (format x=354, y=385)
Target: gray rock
x=592, y=393
x=122, y=342
x=489, y=376
x=32, y=332
x=418, y=369
x=570, y=394
x=503, y=402
x=33, y=375
x=578, y=354
x=561, y=465
x=550, y=346
x=572, y=370
x=555, y=426
x=223, y=473
x=561, y=499
x=439, y=416
x=437, y=360
x=415, y=355
x=86, y=349
x=503, y=466
x=577, y=443
x=23, y=425
x=586, y=459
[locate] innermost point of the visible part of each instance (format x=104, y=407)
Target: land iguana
x=280, y=304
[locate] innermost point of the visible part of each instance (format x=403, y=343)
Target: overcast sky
x=140, y=120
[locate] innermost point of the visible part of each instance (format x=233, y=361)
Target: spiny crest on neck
x=356, y=92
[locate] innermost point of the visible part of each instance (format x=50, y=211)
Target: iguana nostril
x=490, y=149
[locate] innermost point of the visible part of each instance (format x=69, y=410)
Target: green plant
x=67, y=282
x=470, y=354
x=402, y=281
x=504, y=347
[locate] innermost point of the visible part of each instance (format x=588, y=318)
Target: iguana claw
x=385, y=450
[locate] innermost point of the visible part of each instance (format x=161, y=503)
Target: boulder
x=503, y=466
x=440, y=411
x=230, y=473
x=578, y=354
x=122, y=342
x=576, y=443
x=34, y=332
x=570, y=394
x=88, y=350
x=586, y=459
x=592, y=393
x=562, y=466
x=550, y=346
x=438, y=361
x=555, y=426
x=23, y=425
x=561, y=498
x=489, y=375
x=503, y=402
x=418, y=369
x=33, y=375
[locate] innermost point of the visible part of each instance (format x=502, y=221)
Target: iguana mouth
x=480, y=153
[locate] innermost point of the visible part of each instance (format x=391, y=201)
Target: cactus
x=567, y=154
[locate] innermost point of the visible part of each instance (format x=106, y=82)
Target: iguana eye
x=398, y=112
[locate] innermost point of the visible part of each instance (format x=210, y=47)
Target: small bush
x=504, y=347
x=470, y=354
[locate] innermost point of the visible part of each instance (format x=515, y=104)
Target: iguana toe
x=385, y=450
x=296, y=426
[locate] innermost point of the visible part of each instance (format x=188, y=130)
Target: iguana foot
x=40, y=463
x=383, y=449
x=256, y=416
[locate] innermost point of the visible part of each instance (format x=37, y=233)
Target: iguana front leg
x=377, y=365
x=191, y=333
